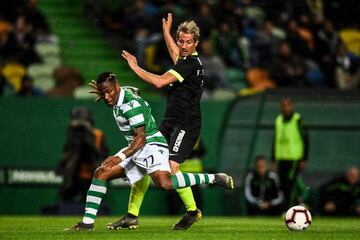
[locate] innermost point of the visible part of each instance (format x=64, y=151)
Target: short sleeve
x=182, y=69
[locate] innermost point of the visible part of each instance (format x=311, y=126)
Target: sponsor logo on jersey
x=178, y=140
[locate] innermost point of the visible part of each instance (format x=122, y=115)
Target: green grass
x=159, y=227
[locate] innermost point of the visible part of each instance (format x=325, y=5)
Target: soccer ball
x=298, y=218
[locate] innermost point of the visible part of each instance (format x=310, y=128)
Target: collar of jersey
x=121, y=97
x=193, y=54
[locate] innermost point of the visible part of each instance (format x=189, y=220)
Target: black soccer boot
x=224, y=180
x=188, y=220
x=80, y=227
x=124, y=222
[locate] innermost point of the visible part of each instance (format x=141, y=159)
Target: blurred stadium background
x=68, y=43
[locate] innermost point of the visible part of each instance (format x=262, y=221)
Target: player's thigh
x=182, y=142
x=109, y=174
x=161, y=179
x=117, y=172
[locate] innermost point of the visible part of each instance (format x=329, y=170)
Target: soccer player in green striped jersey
x=146, y=154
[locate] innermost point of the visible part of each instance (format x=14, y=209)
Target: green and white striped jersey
x=132, y=111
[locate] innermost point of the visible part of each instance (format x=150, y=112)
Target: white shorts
x=152, y=157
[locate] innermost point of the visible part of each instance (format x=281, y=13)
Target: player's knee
x=175, y=167
x=101, y=173
x=165, y=185
x=174, y=170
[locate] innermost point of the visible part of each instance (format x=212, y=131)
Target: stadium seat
x=82, y=92
x=42, y=74
x=223, y=94
x=44, y=83
x=52, y=61
x=236, y=78
x=47, y=49
x=13, y=72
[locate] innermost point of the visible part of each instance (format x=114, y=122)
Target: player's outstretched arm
x=170, y=43
x=158, y=81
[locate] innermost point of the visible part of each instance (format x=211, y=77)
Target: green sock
x=182, y=180
x=137, y=194
x=93, y=199
x=187, y=197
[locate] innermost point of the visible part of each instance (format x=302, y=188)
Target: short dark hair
x=106, y=76
x=260, y=157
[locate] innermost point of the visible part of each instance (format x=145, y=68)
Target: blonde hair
x=189, y=27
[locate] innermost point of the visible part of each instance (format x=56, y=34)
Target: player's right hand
x=167, y=22
x=96, y=91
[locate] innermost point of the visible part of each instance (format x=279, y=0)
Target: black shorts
x=181, y=140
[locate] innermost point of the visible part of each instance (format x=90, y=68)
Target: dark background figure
x=27, y=89
x=288, y=69
x=36, y=18
x=192, y=164
x=214, y=67
x=85, y=146
x=67, y=79
x=20, y=43
x=347, y=69
x=341, y=195
x=262, y=190
x=290, y=149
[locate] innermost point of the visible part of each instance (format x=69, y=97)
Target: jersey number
x=148, y=159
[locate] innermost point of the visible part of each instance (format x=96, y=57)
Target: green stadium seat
x=223, y=94
x=44, y=83
x=47, y=49
x=40, y=71
x=236, y=78
x=82, y=92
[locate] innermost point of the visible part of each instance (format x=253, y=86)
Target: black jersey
x=183, y=101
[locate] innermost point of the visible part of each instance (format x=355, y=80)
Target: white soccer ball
x=298, y=218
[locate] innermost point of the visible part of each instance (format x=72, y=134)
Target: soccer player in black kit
x=182, y=121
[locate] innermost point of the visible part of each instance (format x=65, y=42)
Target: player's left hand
x=131, y=59
x=96, y=91
x=110, y=162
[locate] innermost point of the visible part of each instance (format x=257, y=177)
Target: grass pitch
x=159, y=227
